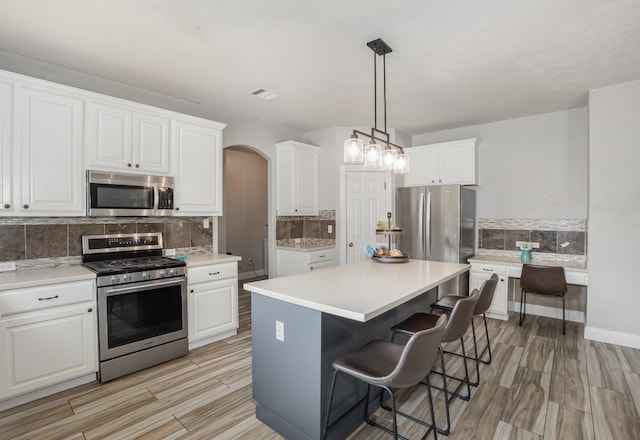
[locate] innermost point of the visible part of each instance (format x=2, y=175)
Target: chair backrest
x=545, y=280
x=460, y=317
x=418, y=356
x=486, y=295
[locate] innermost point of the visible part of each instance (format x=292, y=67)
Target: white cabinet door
x=442, y=164
x=297, y=178
x=51, y=127
x=6, y=148
x=151, y=143
x=212, y=308
x=500, y=303
x=198, y=169
x=125, y=138
x=457, y=164
x=43, y=348
x=109, y=141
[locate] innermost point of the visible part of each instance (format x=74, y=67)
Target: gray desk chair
x=455, y=329
x=542, y=280
x=387, y=365
x=446, y=304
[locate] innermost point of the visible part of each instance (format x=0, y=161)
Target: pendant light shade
x=400, y=166
x=372, y=155
x=353, y=149
x=389, y=159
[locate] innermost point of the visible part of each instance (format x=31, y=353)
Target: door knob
x=350, y=244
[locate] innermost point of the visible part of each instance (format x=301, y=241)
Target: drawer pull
x=90, y=310
x=488, y=270
x=48, y=298
x=214, y=273
x=321, y=256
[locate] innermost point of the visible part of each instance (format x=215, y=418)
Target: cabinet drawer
x=212, y=272
x=323, y=255
x=489, y=268
x=43, y=297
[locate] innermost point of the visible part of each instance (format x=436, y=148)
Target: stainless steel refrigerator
x=438, y=224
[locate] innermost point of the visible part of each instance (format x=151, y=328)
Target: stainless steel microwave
x=133, y=195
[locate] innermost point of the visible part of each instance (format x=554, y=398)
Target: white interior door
x=367, y=201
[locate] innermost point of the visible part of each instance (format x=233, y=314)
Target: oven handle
x=137, y=286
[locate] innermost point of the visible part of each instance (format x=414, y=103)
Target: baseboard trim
x=612, y=337
x=549, y=312
x=44, y=392
x=211, y=339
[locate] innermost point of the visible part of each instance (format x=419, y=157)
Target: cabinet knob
x=129, y=165
x=191, y=291
x=350, y=244
x=295, y=210
x=7, y=206
x=177, y=208
x=89, y=310
x=433, y=181
x=440, y=180
x=25, y=206
x=137, y=165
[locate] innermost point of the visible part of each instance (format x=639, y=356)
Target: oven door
x=141, y=315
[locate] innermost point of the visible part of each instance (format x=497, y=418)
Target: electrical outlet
x=205, y=223
x=330, y=229
x=7, y=266
x=280, y=331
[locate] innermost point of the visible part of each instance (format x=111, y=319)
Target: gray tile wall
x=306, y=227
x=50, y=238
x=562, y=237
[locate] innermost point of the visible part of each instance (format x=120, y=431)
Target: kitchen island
x=302, y=323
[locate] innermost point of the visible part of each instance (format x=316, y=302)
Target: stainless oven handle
x=156, y=197
x=137, y=286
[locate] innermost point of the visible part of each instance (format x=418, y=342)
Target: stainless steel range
x=142, y=302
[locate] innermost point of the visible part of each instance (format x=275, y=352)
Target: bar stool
x=446, y=304
x=388, y=365
x=542, y=280
x=455, y=329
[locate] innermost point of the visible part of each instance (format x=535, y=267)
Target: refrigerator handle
x=421, y=225
x=428, y=231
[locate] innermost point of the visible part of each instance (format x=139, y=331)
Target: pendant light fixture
x=379, y=152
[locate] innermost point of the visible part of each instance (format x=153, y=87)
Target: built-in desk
x=509, y=268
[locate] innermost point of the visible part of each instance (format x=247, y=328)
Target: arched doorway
x=243, y=229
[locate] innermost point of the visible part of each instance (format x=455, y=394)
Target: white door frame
x=341, y=231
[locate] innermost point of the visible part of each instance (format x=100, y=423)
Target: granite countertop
x=306, y=247
x=210, y=258
x=17, y=279
x=515, y=261
x=359, y=291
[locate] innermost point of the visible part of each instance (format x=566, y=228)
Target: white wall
x=614, y=208
x=531, y=167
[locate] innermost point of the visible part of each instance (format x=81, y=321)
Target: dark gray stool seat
x=542, y=280
x=391, y=366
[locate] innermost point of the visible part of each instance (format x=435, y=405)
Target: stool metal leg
x=486, y=330
x=326, y=420
x=523, y=305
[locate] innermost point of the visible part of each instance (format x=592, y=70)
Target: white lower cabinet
x=290, y=262
x=46, y=336
x=480, y=273
x=212, y=301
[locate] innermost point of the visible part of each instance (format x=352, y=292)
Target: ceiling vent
x=264, y=94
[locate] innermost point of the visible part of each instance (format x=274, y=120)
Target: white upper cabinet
x=198, y=167
x=49, y=152
x=124, y=137
x=6, y=147
x=442, y=164
x=297, y=178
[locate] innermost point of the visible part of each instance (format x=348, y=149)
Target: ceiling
x=454, y=63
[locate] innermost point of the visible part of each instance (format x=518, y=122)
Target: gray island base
x=325, y=315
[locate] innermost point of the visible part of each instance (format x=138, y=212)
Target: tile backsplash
x=309, y=228
x=52, y=241
x=558, y=238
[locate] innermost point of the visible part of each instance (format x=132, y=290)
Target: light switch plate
x=280, y=331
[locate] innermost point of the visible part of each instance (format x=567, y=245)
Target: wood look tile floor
x=540, y=385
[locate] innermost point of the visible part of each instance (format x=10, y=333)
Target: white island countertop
x=359, y=291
